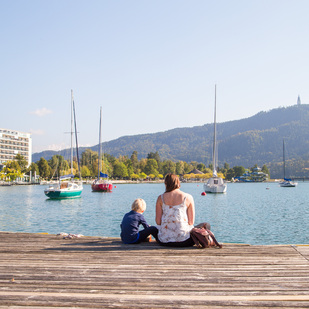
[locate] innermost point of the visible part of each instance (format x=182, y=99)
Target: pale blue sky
x=151, y=65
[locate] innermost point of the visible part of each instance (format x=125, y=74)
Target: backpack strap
x=214, y=238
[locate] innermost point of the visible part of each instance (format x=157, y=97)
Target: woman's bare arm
x=191, y=210
x=159, y=210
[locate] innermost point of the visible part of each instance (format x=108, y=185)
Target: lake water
x=251, y=213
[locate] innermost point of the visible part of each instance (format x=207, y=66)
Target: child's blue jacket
x=130, y=226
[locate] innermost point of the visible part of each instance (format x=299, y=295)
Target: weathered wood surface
x=47, y=271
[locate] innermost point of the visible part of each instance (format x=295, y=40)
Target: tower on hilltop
x=298, y=101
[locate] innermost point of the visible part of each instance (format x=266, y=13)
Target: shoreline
x=8, y=184
x=88, y=182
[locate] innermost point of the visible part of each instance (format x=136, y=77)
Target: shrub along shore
x=126, y=168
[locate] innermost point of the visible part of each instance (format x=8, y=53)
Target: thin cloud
x=57, y=147
x=54, y=147
x=41, y=112
x=37, y=132
x=85, y=145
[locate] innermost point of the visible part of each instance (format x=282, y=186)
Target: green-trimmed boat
x=67, y=187
x=64, y=189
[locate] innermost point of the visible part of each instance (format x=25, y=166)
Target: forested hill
x=254, y=140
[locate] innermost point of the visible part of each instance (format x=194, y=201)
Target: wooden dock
x=47, y=271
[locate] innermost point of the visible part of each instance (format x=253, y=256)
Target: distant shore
x=7, y=184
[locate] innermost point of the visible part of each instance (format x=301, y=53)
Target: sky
x=151, y=65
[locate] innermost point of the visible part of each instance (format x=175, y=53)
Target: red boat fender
x=203, y=193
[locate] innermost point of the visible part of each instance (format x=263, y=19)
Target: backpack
x=204, y=238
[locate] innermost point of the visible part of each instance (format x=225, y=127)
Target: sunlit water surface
x=251, y=213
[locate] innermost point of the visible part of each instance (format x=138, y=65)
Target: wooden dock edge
x=48, y=271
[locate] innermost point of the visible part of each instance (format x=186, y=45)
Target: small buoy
x=203, y=193
x=115, y=186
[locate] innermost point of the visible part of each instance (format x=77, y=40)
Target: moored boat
x=287, y=182
x=215, y=184
x=64, y=189
x=101, y=184
x=67, y=187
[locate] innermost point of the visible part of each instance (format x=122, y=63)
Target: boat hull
x=215, y=185
x=61, y=194
x=288, y=184
x=102, y=187
x=66, y=189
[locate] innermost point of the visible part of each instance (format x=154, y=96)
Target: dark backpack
x=204, y=238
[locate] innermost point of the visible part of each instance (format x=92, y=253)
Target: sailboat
x=101, y=184
x=215, y=184
x=287, y=182
x=67, y=187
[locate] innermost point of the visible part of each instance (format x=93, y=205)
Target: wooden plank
x=38, y=270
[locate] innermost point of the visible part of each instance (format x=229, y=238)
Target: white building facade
x=13, y=143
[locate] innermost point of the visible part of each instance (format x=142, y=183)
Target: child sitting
x=130, y=233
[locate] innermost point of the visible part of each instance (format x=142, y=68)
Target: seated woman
x=175, y=214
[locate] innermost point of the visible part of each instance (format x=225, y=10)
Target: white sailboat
x=215, y=184
x=67, y=187
x=287, y=182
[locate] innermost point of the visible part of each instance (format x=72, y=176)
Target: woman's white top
x=174, y=223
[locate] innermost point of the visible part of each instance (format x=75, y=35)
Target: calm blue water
x=248, y=213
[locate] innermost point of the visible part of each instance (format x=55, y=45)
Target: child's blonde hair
x=139, y=205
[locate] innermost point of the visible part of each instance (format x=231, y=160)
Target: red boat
x=100, y=185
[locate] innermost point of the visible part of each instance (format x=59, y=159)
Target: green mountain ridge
x=254, y=140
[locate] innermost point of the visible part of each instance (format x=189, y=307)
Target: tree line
x=122, y=167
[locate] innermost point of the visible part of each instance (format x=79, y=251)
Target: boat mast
x=72, y=102
x=214, y=151
x=99, y=157
x=283, y=160
x=76, y=141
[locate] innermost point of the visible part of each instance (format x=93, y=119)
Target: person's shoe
x=148, y=239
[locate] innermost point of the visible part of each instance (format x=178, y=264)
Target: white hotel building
x=13, y=143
